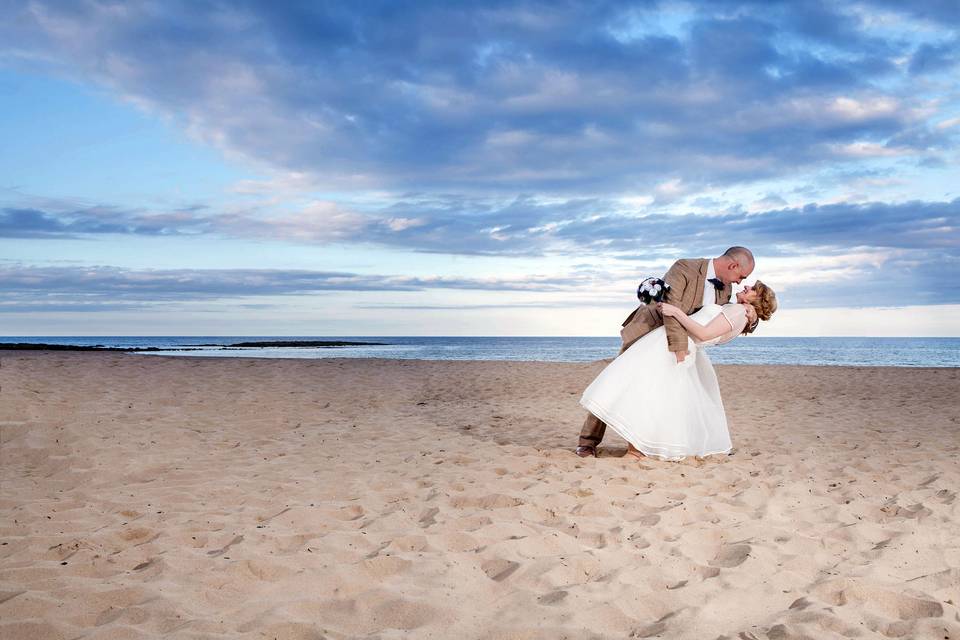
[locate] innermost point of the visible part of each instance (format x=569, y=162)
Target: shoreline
x=304, y=344
x=903, y=352
x=450, y=360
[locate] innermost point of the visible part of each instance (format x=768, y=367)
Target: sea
x=867, y=352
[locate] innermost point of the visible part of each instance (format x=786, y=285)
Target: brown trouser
x=592, y=432
x=593, y=428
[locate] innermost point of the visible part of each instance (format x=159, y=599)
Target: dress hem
x=648, y=449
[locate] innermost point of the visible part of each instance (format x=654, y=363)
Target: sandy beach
x=148, y=497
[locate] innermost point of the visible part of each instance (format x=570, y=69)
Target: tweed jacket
x=687, y=279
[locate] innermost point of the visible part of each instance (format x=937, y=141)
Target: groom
x=693, y=284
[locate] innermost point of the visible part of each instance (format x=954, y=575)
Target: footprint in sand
x=889, y=603
x=491, y=501
x=347, y=514
x=650, y=631
x=705, y=573
x=382, y=567
x=653, y=630
x=592, y=539
x=368, y=614
x=638, y=541
x=217, y=552
x=396, y=613
x=553, y=597
x=137, y=535
x=499, y=569
x=731, y=556
x=144, y=565
x=946, y=497
x=428, y=517
x=291, y=631
x=409, y=543
x=263, y=569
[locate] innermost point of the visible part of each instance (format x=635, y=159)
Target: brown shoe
x=585, y=451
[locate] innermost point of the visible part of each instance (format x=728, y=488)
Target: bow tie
x=716, y=284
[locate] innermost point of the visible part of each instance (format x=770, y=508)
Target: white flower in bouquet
x=652, y=290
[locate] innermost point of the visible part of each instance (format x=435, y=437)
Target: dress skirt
x=666, y=409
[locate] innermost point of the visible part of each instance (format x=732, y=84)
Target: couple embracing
x=661, y=393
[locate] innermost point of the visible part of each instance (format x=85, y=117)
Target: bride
x=671, y=410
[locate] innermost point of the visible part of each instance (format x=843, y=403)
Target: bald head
x=742, y=255
x=734, y=265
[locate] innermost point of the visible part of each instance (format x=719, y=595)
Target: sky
x=457, y=168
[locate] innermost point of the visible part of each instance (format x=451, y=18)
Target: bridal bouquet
x=652, y=290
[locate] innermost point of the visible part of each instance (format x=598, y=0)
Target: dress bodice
x=736, y=315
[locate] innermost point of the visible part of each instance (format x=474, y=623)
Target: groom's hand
x=681, y=355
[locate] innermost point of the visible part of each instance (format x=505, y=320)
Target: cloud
x=16, y=222
x=820, y=280
x=623, y=301
x=318, y=222
x=494, y=97
x=931, y=58
x=912, y=225
x=88, y=288
x=945, y=12
x=528, y=225
x=29, y=304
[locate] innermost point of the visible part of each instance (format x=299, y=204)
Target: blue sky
x=496, y=168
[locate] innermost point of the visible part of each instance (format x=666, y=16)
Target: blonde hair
x=765, y=305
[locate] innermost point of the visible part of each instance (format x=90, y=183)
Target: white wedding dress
x=666, y=409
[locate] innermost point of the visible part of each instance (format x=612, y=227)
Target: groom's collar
x=711, y=272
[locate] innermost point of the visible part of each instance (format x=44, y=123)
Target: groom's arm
x=676, y=334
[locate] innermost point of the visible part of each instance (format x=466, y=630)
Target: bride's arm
x=716, y=327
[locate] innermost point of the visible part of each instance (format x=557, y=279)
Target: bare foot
x=636, y=453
